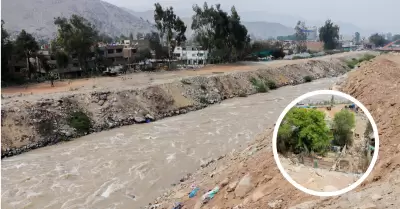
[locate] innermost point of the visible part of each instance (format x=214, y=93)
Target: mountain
x=37, y=16
x=257, y=29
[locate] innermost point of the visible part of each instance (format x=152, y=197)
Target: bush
x=354, y=62
x=80, y=121
x=297, y=57
x=203, y=100
x=259, y=85
x=343, y=123
x=304, y=130
x=308, y=78
x=271, y=84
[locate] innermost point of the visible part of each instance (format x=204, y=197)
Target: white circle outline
x=287, y=176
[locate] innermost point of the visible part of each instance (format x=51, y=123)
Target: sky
x=367, y=14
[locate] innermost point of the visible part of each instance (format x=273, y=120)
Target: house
x=191, y=55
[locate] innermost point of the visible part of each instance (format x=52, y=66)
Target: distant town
x=80, y=51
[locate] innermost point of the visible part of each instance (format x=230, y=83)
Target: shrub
x=259, y=85
x=297, y=57
x=271, y=84
x=242, y=94
x=343, y=123
x=308, y=78
x=304, y=130
x=80, y=121
x=203, y=100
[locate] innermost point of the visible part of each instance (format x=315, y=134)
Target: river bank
x=376, y=85
x=40, y=121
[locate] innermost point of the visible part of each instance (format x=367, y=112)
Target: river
x=128, y=167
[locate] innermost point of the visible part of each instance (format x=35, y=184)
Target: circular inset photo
x=325, y=143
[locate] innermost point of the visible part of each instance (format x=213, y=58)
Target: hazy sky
x=382, y=15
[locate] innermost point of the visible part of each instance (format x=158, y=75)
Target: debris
x=209, y=195
x=193, y=192
x=178, y=205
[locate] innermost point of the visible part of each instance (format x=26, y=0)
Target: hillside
x=37, y=17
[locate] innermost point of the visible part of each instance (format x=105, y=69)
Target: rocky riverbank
x=30, y=124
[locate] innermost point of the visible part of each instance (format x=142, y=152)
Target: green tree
x=143, y=55
x=378, y=40
x=221, y=34
x=304, y=130
x=170, y=27
x=343, y=124
x=6, y=50
x=301, y=37
x=62, y=59
x=329, y=34
x=26, y=45
x=357, y=38
x=131, y=37
x=76, y=36
x=155, y=45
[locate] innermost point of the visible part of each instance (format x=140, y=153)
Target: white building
x=192, y=55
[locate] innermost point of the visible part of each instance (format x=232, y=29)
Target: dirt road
x=143, y=79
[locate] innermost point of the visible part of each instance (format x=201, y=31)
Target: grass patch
x=308, y=78
x=259, y=85
x=354, y=62
x=80, y=121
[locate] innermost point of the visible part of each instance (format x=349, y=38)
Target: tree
x=304, y=130
x=396, y=37
x=155, y=45
x=329, y=34
x=357, y=38
x=105, y=38
x=76, y=36
x=7, y=50
x=143, y=55
x=62, y=59
x=343, y=123
x=170, y=27
x=221, y=34
x=301, y=37
x=131, y=37
x=26, y=45
x=378, y=40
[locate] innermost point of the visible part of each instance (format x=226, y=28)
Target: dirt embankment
x=29, y=123
x=377, y=86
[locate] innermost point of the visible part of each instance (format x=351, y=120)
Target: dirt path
x=320, y=180
x=140, y=79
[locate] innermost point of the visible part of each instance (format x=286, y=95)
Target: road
x=130, y=166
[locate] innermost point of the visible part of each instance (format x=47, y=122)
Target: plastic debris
x=178, y=205
x=193, y=192
x=209, y=195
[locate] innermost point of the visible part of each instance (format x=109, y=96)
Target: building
x=119, y=54
x=191, y=55
x=312, y=33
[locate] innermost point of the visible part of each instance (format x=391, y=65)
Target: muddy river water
x=130, y=166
